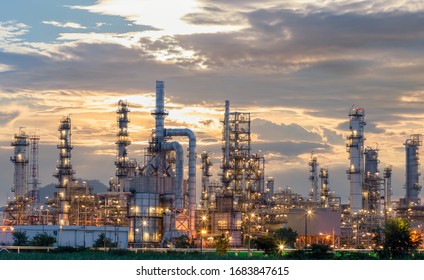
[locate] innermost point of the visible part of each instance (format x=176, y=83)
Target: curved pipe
x=175, y=146
x=191, y=171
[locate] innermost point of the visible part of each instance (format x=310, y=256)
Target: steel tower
x=412, y=185
x=20, y=161
x=355, y=148
x=313, y=177
x=34, y=174
x=64, y=172
x=123, y=163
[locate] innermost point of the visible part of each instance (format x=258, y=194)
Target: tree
x=286, y=235
x=320, y=251
x=20, y=238
x=377, y=238
x=222, y=244
x=43, y=239
x=103, y=241
x=267, y=243
x=182, y=242
x=399, y=240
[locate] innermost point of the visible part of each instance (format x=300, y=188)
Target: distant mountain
x=50, y=189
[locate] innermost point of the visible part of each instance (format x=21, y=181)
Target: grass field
x=86, y=254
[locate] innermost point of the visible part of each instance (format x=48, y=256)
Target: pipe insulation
x=179, y=166
x=170, y=132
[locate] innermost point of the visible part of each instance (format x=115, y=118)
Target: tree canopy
x=399, y=239
x=286, y=235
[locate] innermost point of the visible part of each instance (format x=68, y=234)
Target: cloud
x=290, y=148
x=370, y=127
x=163, y=22
x=65, y=24
x=332, y=137
x=6, y=118
x=271, y=131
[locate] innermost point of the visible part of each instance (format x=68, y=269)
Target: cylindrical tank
x=413, y=186
x=355, y=147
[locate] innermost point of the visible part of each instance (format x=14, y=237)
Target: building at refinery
x=152, y=202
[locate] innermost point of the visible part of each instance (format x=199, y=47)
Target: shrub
x=267, y=244
x=222, y=244
x=286, y=235
x=182, y=242
x=103, y=241
x=399, y=240
x=43, y=239
x=20, y=238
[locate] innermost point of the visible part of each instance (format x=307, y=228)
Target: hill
x=50, y=189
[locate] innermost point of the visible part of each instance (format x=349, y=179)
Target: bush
x=103, y=241
x=20, y=238
x=222, y=244
x=267, y=244
x=182, y=242
x=43, y=239
x=399, y=240
x=286, y=235
x=321, y=251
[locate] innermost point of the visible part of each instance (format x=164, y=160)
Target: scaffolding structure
x=34, y=194
x=17, y=211
x=325, y=190
x=313, y=178
x=125, y=167
x=372, y=183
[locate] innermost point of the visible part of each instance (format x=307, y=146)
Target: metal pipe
x=191, y=171
x=227, y=142
x=159, y=112
x=175, y=146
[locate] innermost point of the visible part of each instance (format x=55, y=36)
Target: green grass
x=82, y=254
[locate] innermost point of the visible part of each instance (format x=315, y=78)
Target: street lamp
x=202, y=232
x=309, y=212
x=143, y=225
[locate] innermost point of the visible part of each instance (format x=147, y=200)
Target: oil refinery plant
x=150, y=203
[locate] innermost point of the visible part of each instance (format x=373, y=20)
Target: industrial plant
x=152, y=202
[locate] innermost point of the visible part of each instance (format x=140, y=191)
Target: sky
x=296, y=66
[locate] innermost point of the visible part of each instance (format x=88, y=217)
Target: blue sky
x=37, y=14
x=297, y=65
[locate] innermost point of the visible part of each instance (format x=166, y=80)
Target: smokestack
x=160, y=113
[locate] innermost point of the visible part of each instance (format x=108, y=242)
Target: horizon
x=296, y=66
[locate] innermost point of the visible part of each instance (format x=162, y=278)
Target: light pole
x=202, y=232
x=60, y=235
x=249, y=251
x=143, y=225
x=309, y=212
x=78, y=213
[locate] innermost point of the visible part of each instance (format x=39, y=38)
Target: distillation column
x=355, y=147
x=413, y=186
x=372, y=181
x=387, y=189
x=206, y=174
x=325, y=190
x=34, y=174
x=160, y=137
x=20, y=161
x=64, y=171
x=226, y=180
x=313, y=177
x=123, y=163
